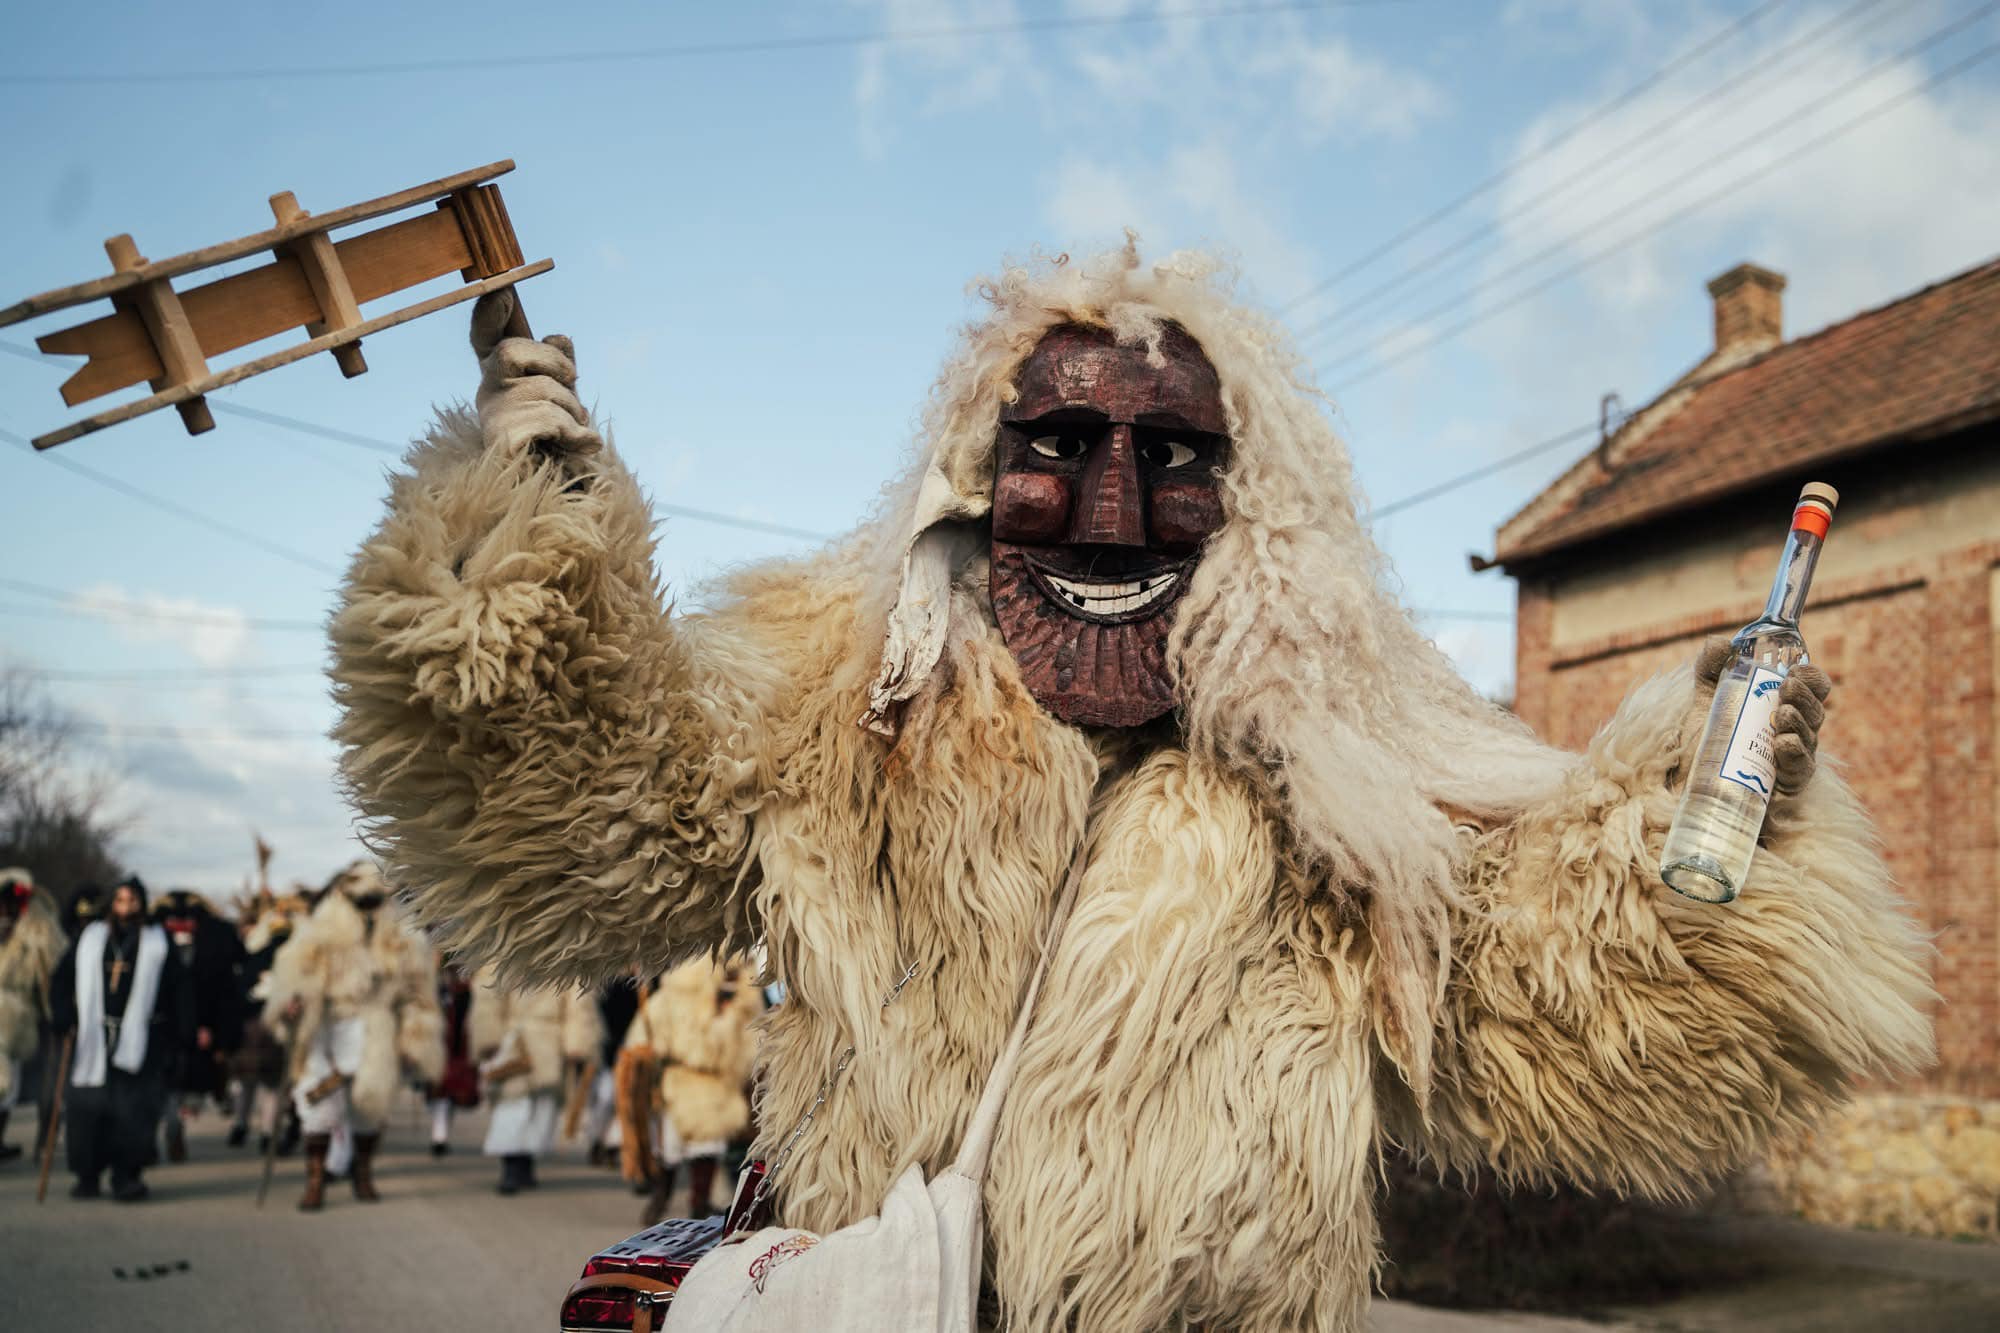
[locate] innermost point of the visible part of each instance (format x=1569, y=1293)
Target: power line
x=694, y=50
x=178, y=510
x=1754, y=140
x=1812, y=145
x=163, y=675
x=1483, y=471
x=91, y=604
x=1675, y=121
x=150, y=731
x=386, y=447
x=1444, y=211
x=308, y=428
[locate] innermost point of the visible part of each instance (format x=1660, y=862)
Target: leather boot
x=701, y=1185
x=364, y=1167
x=315, y=1196
x=656, y=1202
x=8, y=1152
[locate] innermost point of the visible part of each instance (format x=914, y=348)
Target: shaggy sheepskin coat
x=27, y=958
x=1339, y=900
x=343, y=966
x=548, y=1027
x=705, y=1046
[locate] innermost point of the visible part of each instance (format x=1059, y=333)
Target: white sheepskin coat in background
x=548, y=1025
x=705, y=1046
x=27, y=959
x=385, y=976
x=1344, y=899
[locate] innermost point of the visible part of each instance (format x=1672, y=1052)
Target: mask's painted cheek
x=1031, y=507
x=1183, y=515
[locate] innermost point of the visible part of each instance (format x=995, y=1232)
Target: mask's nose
x=1110, y=510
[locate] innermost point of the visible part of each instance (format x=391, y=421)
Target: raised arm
x=1598, y=1027
x=560, y=776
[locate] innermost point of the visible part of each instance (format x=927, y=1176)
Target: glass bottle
x=1729, y=780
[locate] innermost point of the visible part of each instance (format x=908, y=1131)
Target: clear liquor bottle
x=1714, y=835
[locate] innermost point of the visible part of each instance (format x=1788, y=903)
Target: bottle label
x=1750, y=760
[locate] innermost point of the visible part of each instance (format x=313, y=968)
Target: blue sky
x=763, y=253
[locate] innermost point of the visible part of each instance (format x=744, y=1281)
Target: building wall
x=1905, y=616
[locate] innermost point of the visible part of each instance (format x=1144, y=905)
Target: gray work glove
x=527, y=390
x=1801, y=711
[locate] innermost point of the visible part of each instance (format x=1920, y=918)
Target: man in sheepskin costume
x=31, y=943
x=354, y=990
x=697, y=1025
x=525, y=1042
x=1122, y=607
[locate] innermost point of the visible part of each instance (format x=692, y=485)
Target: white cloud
x=1090, y=200
x=1340, y=92
x=1899, y=202
x=1482, y=652
x=212, y=635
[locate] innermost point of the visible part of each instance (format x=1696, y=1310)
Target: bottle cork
x=1815, y=508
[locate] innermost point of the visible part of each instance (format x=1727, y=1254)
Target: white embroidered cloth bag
x=915, y=1265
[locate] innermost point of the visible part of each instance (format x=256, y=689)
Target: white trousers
x=674, y=1150
x=10, y=1087
x=336, y=1049
x=522, y=1125
x=601, y=1122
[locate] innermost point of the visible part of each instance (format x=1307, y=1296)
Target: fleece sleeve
x=560, y=773
x=1598, y=1027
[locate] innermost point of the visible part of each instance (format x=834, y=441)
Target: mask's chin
x=1089, y=632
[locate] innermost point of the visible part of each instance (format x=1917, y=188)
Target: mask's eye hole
x=1059, y=446
x=1166, y=453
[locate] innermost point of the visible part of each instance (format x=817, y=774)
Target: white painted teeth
x=1111, y=599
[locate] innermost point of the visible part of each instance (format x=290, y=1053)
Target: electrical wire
x=382, y=446
x=162, y=675
x=152, y=731
x=694, y=50
x=1483, y=471
x=1732, y=186
x=178, y=510
x=91, y=604
x=1624, y=154
x=1506, y=173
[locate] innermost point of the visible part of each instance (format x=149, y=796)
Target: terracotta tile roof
x=1912, y=370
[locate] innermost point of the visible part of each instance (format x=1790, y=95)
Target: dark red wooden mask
x=1105, y=489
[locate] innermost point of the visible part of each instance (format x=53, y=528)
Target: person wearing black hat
x=126, y=997
x=213, y=955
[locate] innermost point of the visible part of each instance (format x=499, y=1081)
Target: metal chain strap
x=777, y=1163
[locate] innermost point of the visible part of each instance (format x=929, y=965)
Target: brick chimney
x=1749, y=309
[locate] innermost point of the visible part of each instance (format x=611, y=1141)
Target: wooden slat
x=159, y=309
x=328, y=280
x=208, y=256
x=238, y=310
x=325, y=342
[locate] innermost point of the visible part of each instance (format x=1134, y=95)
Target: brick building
x=1669, y=531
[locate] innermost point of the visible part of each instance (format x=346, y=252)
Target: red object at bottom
x=646, y=1269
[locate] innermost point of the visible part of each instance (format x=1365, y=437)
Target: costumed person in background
x=124, y=992
x=459, y=1085
x=525, y=1040
x=260, y=1063
x=617, y=1002
x=85, y=906
x=1121, y=626
x=212, y=954
x=31, y=943
x=355, y=991
x=699, y=1019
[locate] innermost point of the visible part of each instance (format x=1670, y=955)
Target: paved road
x=443, y=1251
